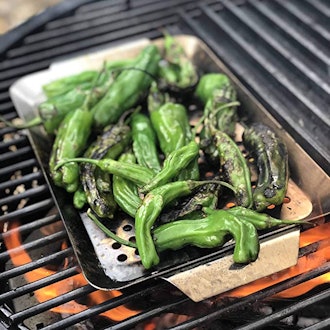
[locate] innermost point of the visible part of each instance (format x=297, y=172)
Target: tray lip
x=53, y=189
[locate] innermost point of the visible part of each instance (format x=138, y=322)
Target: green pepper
x=79, y=198
x=177, y=73
x=191, y=207
x=152, y=205
x=53, y=110
x=272, y=162
x=133, y=172
x=63, y=85
x=235, y=168
x=97, y=184
x=171, y=124
x=145, y=142
x=210, y=83
x=70, y=141
x=125, y=191
x=128, y=89
x=261, y=220
x=84, y=80
x=210, y=232
x=173, y=164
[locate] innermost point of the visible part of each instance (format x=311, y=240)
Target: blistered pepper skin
x=271, y=157
x=70, y=141
x=235, y=168
x=128, y=89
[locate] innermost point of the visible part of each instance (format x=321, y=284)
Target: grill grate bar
x=17, y=142
x=18, y=166
x=44, y=241
x=304, y=12
x=104, y=23
x=271, y=66
x=279, y=315
x=40, y=206
x=31, y=287
x=42, y=59
x=292, y=63
x=320, y=6
x=260, y=295
x=296, y=33
x=49, y=304
x=22, y=152
x=31, y=226
x=324, y=324
x=29, y=193
x=36, y=176
x=20, y=270
x=254, y=72
x=145, y=315
x=102, y=307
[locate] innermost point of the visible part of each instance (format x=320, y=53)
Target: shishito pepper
x=97, y=184
x=175, y=162
x=145, y=142
x=210, y=232
x=129, y=87
x=152, y=205
x=271, y=157
x=171, y=124
x=134, y=172
x=177, y=73
x=126, y=192
x=210, y=83
x=261, y=220
x=220, y=111
x=84, y=80
x=70, y=141
x=235, y=168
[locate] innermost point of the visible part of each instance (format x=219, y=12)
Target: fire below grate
x=280, y=52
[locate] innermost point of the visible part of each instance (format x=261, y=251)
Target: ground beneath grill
x=10, y=16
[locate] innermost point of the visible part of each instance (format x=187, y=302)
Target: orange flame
x=319, y=235
x=20, y=257
x=306, y=263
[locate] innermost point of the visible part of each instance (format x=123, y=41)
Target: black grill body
x=278, y=49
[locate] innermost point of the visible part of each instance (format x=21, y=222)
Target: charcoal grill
x=279, y=51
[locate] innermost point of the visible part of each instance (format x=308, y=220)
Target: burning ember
x=316, y=242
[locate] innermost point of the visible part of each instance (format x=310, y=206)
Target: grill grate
x=279, y=50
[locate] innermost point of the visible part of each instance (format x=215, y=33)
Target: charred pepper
x=152, y=205
x=70, y=141
x=271, y=157
x=97, y=184
x=235, y=168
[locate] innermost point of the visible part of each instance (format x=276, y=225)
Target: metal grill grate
x=280, y=51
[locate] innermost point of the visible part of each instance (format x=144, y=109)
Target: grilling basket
x=199, y=273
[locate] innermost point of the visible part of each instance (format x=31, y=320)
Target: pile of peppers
x=123, y=142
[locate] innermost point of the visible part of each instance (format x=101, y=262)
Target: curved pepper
x=210, y=232
x=129, y=87
x=152, y=205
x=235, y=168
x=272, y=162
x=125, y=191
x=145, y=142
x=70, y=141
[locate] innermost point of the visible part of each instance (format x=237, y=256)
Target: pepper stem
x=77, y=160
x=32, y=123
x=109, y=232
